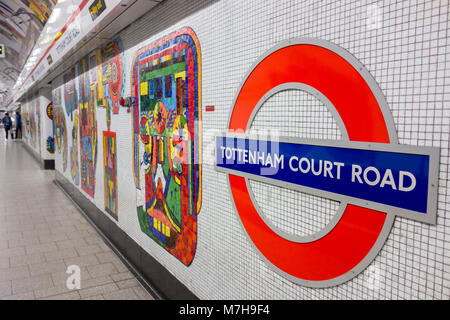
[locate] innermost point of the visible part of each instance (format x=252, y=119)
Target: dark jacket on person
x=18, y=120
x=7, y=122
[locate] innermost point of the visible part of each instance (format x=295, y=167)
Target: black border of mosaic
x=156, y=279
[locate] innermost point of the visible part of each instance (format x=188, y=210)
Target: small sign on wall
x=402, y=179
x=97, y=8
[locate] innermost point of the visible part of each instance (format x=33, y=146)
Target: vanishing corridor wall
x=30, y=112
x=46, y=114
x=183, y=56
x=37, y=123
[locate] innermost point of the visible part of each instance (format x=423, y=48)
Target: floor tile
x=5, y=288
x=20, y=296
x=125, y=294
x=14, y=273
x=61, y=254
x=89, y=249
x=94, y=282
x=99, y=297
x=122, y=276
x=51, y=291
x=4, y=263
x=129, y=283
x=142, y=293
x=74, y=295
x=31, y=284
x=104, y=269
x=99, y=290
x=47, y=267
x=27, y=259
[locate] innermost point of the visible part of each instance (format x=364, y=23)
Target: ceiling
x=21, y=22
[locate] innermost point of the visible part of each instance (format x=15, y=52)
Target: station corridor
x=42, y=233
x=224, y=150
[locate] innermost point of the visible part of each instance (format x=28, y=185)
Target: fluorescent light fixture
x=36, y=51
x=71, y=8
x=54, y=16
x=50, y=30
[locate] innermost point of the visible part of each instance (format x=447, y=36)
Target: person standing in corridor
x=7, y=124
x=18, y=125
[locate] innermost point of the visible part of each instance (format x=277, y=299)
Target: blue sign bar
x=394, y=178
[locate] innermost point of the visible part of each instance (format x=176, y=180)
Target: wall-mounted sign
x=97, y=8
x=2, y=51
x=373, y=177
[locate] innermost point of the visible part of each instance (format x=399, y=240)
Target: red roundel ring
x=360, y=233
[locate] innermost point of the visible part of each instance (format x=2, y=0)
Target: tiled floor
x=42, y=233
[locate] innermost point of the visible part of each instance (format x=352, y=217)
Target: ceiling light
x=54, y=16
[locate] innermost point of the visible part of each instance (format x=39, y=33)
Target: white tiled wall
x=403, y=44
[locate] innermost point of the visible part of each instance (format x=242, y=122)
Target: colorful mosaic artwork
x=110, y=71
x=88, y=128
x=166, y=90
x=41, y=8
x=70, y=93
x=59, y=124
x=26, y=124
x=49, y=111
x=56, y=97
x=110, y=77
x=110, y=173
x=50, y=139
x=51, y=144
x=74, y=166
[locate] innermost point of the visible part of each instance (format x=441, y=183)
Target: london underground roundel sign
x=373, y=177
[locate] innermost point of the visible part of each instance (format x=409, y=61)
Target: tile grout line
x=145, y=284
